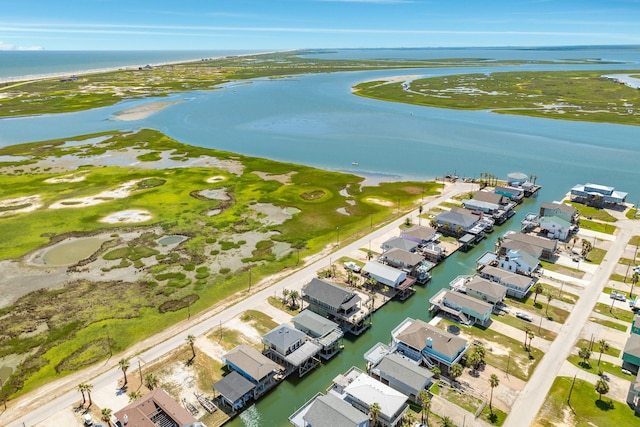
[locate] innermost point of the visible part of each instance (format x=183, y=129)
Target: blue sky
x=292, y=24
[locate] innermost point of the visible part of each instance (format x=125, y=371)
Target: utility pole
x=571, y=390
x=249, y=280
x=337, y=235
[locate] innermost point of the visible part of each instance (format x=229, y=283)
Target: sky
x=305, y=24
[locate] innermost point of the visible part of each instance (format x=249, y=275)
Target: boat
x=355, y=163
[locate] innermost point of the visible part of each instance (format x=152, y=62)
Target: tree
x=436, y=372
x=531, y=337
x=537, y=290
x=494, y=381
x=455, y=371
x=106, y=415
x=446, y=422
x=584, y=354
x=602, y=387
x=420, y=208
x=634, y=281
x=151, y=381
x=191, y=339
x=88, y=387
x=549, y=299
x=473, y=360
x=425, y=405
x=81, y=389
x=526, y=335
x=586, y=248
x=409, y=418
x=134, y=395
x=293, y=296
x=124, y=365
x=604, y=346
x=285, y=296
x=374, y=413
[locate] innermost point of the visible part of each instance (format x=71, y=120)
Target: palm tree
x=436, y=372
x=134, y=395
x=420, y=208
x=473, y=360
x=585, y=354
x=106, y=415
x=151, y=381
x=537, y=290
x=455, y=371
x=285, y=296
x=88, y=387
x=531, y=337
x=494, y=381
x=190, y=339
x=409, y=418
x=124, y=365
x=604, y=346
x=526, y=335
x=294, y=295
x=374, y=413
x=549, y=299
x=81, y=389
x=425, y=404
x=446, y=422
x=602, y=387
x=634, y=281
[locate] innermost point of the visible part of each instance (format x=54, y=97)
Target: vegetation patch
x=178, y=304
x=313, y=195
x=150, y=183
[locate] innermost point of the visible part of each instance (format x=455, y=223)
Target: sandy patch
x=379, y=201
x=66, y=178
x=130, y=216
x=217, y=178
x=395, y=79
x=20, y=205
x=274, y=214
x=119, y=193
x=283, y=178
x=142, y=111
x=214, y=194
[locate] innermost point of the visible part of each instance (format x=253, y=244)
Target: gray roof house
x=403, y=375
x=548, y=246
x=481, y=206
x=485, y=290
x=517, y=284
x=488, y=196
x=468, y=309
x=328, y=411
x=561, y=210
x=401, y=258
x=235, y=390
x=343, y=306
x=292, y=348
x=457, y=218
x=596, y=194
x=325, y=332
x=518, y=260
x=420, y=234
x=399, y=243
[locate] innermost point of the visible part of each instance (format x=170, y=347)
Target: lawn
x=600, y=227
x=594, y=368
x=596, y=348
x=561, y=269
x=615, y=312
x=586, y=410
x=589, y=212
x=472, y=404
x=609, y=324
x=540, y=307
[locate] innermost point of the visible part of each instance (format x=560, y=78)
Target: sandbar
x=143, y=111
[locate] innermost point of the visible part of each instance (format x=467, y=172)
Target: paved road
x=532, y=397
x=41, y=404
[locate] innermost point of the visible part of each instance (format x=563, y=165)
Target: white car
x=618, y=296
x=524, y=316
x=350, y=265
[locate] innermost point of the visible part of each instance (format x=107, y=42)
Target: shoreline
x=130, y=67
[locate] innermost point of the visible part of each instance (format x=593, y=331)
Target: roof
x=632, y=347
x=458, y=218
x=284, y=336
x=466, y=301
x=533, y=240
x=402, y=256
x=555, y=219
x=533, y=250
x=487, y=196
x=507, y=276
x=416, y=334
x=507, y=190
x=394, y=366
x=158, y=402
x=482, y=204
x=486, y=287
x=561, y=206
x=399, y=242
x=303, y=353
x=319, y=326
x=251, y=362
x=369, y=391
x=233, y=386
x=333, y=295
x=331, y=411
x=420, y=232
x=517, y=175
x=523, y=257
x=384, y=271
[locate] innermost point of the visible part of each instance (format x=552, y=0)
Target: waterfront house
x=402, y=375
x=399, y=243
x=413, y=264
x=633, y=396
x=555, y=227
x=361, y=391
x=328, y=410
x=262, y=372
x=467, y=309
x=517, y=260
x=391, y=277
x=481, y=206
x=631, y=353
x=457, y=221
x=517, y=179
x=153, y=409
x=235, y=390
x=517, y=284
x=291, y=348
x=423, y=343
x=325, y=332
x=512, y=193
x=485, y=290
x=548, y=246
x=635, y=326
x=491, y=197
x=560, y=210
x=597, y=195
x=420, y=234
x=343, y=306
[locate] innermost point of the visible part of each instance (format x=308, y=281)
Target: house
x=517, y=260
x=414, y=264
x=633, y=396
x=428, y=344
x=485, y=290
x=263, y=373
x=391, y=277
x=343, y=306
x=548, y=246
x=512, y=193
x=361, y=391
x=522, y=247
x=457, y=219
x=468, y=309
x=635, y=326
x=481, y=206
x=399, y=243
x=154, y=409
x=402, y=375
x=597, y=195
x=420, y=234
x=560, y=210
x=325, y=332
x=555, y=227
x=235, y=390
x=491, y=197
x=328, y=410
x=291, y=348
x=517, y=284
x=517, y=179
x=631, y=353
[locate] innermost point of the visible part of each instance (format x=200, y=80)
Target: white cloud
x=8, y=46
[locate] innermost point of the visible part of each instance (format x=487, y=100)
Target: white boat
x=355, y=163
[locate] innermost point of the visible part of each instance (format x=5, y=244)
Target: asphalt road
x=37, y=406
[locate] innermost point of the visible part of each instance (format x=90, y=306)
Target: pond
x=72, y=251
x=171, y=240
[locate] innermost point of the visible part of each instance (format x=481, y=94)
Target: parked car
x=636, y=269
x=524, y=316
x=350, y=265
x=626, y=372
x=618, y=296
